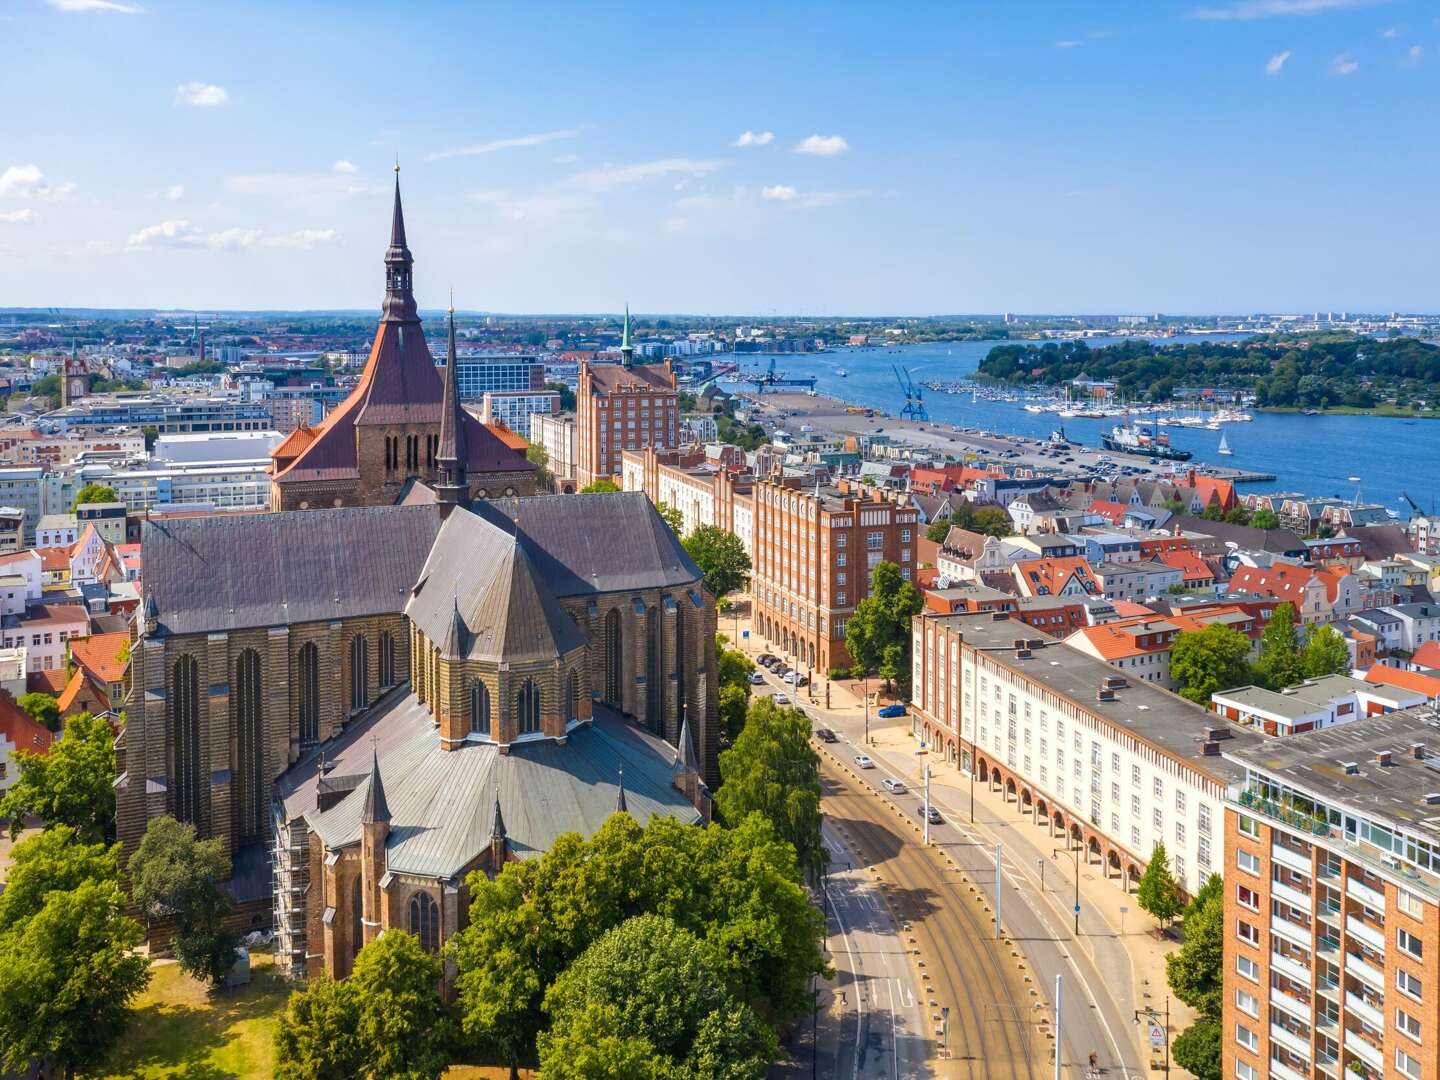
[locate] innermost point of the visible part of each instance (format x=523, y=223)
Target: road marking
x=859, y=998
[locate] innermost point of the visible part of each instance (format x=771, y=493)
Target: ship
x=1224, y=446
x=1128, y=438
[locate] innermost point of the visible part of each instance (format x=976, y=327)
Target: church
x=385, y=435
x=366, y=703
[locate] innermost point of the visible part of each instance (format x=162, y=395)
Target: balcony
x=1298, y=935
x=1291, y=1004
x=1292, y=896
x=1366, y=1051
x=1327, y=943
x=1363, y=931
x=1291, y=858
x=1358, y=1006
x=1279, y=1071
x=1295, y=819
x=1288, y=1039
x=1328, y=872
x=1328, y=909
x=1371, y=898
x=1293, y=968
x=1365, y=972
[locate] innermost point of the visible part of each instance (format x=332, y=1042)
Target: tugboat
x=1133, y=438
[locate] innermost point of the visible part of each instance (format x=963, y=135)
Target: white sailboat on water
x=1224, y=446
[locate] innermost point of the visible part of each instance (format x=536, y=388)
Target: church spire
x=620, y=805
x=399, y=303
x=374, y=809
x=453, y=451
x=627, y=351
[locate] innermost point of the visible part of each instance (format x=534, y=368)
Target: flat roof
x=1314, y=762
x=1151, y=713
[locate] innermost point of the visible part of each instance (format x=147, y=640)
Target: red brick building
x=619, y=407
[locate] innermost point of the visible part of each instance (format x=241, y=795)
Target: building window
x=1247, y=932
x=1409, y=903
x=1409, y=942
x=1246, y=1038
x=1247, y=826
x=479, y=709
x=185, y=693
x=572, y=697
x=874, y=541
x=1246, y=1003
x=309, y=665
x=425, y=921
x=527, y=708
x=1243, y=1071
x=1247, y=898
x=387, y=659
x=1407, y=1023
x=1408, y=1065
x=249, y=747
x=1407, y=983
x=1247, y=967
x=359, y=672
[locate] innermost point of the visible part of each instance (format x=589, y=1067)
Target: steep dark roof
x=1278, y=541
x=227, y=573
x=374, y=809
x=601, y=542
x=1380, y=541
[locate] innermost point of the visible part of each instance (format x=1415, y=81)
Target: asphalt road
x=993, y=1018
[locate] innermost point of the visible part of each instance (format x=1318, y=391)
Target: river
x=1312, y=454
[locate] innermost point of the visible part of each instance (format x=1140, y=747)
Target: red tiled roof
x=18, y=728
x=1112, y=512
x=1405, y=680
x=101, y=656
x=510, y=438
x=1191, y=566
x=1046, y=577
x=50, y=682
x=1283, y=581
x=1427, y=655
x=608, y=378
x=54, y=558
x=1128, y=609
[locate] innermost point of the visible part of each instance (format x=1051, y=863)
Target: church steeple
x=627, y=351
x=399, y=303
x=453, y=450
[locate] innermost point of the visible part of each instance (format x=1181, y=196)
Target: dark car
x=935, y=818
x=891, y=710
x=824, y=734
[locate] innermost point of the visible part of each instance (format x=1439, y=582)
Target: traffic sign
x=1077, y=909
x=1157, y=1032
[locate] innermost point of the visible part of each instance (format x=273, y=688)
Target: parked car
x=765, y=659
x=755, y=678
x=780, y=699
x=796, y=679
x=893, y=786
x=891, y=710
x=935, y=818
x=824, y=734
x=862, y=761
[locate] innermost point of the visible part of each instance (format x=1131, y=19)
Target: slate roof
x=506, y=609
x=600, y=542
x=442, y=803
x=224, y=573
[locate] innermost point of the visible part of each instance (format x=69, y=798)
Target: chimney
x=1382, y=757
x=1210, y=748
x=1417, y=751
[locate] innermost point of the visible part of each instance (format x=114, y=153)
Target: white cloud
x=614, y=176
x=1276, y=63
x=1415, y=53
x=1068, y=44
x=755, y=138
x=343, y=167
x=120, y=7
x=501, y=144
x=203, y=95
x=181, y=233
x=1266, y=9
x=1392, y=32
x=780, y=192
x=17, y=217
x=822, y=145
x=1344, y=64
x=174, y=193
x=27, y=181
x=807, y=200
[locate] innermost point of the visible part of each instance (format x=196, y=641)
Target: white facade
x=216, y=447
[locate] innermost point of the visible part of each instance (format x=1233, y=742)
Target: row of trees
x=877, y=634
x=987, y=519
x=1203, y=662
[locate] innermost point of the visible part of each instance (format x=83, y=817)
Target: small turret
x=620, y=807
x=627, y=351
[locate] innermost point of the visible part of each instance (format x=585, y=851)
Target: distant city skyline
x=1218, y=156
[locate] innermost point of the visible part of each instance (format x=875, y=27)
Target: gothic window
x=357, y=919
x=387, y=659
x=680, y=673
x=249, y=747
x=572, y=697
x=527, y=708
x=309, y=693
x=425, y=921
x=359, y=672
x=654, y=678
x=479, y=709
x=614, y=660
x=185, y=694
x=391, y=453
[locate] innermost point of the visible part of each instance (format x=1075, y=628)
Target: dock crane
x=914, y=396
x=771, y=377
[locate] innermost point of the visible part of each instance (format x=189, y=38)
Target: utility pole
x=927, y=804
x=997, y=890
x=1076, y=858
x=867, y=709
x=1059, y=987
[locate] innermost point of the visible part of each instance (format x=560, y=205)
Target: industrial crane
x=771, y=377
x=914, y=396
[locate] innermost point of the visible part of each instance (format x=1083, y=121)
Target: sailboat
x=1224, y=446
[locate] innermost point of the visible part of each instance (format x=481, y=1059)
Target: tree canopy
x=773, y=770
x=721, y=558
x=1324, y=653
x=42, y=708
x=1158, y=891
x=52, y=861
x=673, y=517
x=95, y=493
x=647, y=995
x=734, y=697
x=71, y=785
x=538, y=456
x=1279, y=663
x=604, y=484
x=877, y=635
x=1196, y=972
x=1264, y=518
x=1204, y=661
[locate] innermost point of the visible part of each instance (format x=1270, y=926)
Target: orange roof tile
x=54, y=558
x=1191, y=566
x=100, y=655
x=71, y=691
x=510, y=438
x=1428, y=655
x=18, y=728
x=1405, y=680
x=50, y=682
x=1047, y=577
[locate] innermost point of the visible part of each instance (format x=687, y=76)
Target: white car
x=862, y=761
x=893, y=786
x=781, y=699
x=756, y=679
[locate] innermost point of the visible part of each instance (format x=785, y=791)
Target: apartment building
x=1332, y=904
x=813, y=552
x=622, y=407
x=1312, y=704
x=557, y=435
x=513, y=408
x=705, y=490
x=1115, y=764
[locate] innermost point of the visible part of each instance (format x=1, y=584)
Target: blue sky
x=1220, y=155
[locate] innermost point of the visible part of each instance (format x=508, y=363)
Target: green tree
x=673, y=517
x=877, y=635
x=538, y=456
x=174, y=875
x=1204, y=661
x=1197, y=1049
x=1279, y=664
x=52, y=861
x=1158, y=892
x=567, y=396
x=95, y=493
x=654, y=987
x=936, y=531
x=601, y=486
x=1324, y=653
x=67, y=977
x=1264, y=518
x=71, y=785
x=1212, y=512
x=47, y=387
x=737, y=889
x=735, y=669
x=42, y=708
x=1196, y=971
x=151, y=434
x=773, y=770
x=992, y=521
x=721, y=558
x=1237, y=515
x=316, y=1037
x=402, y=1028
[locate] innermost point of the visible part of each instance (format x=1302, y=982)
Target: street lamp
x=1071, y=852
x=867, y=708
x=1151, y=1016
x=925, y=772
